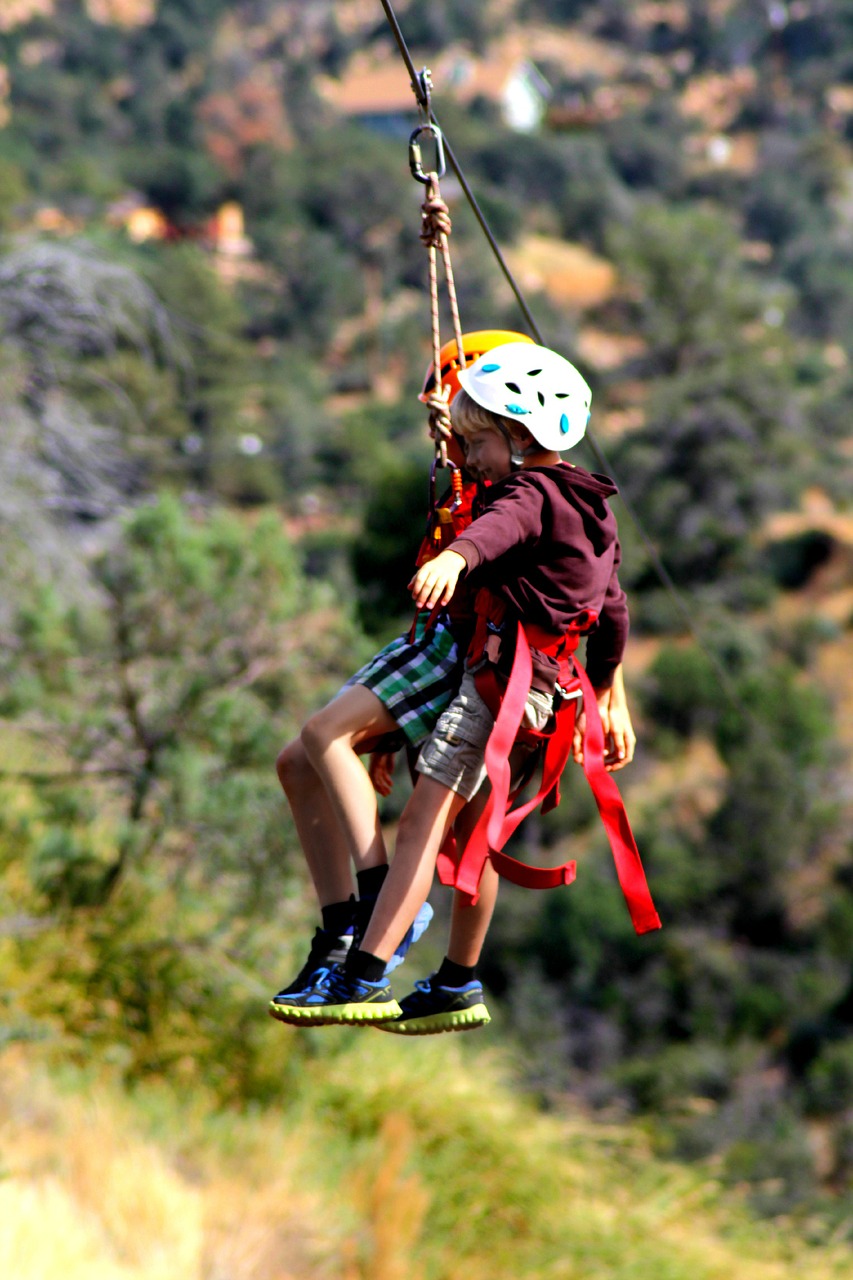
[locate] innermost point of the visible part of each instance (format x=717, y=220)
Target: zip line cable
x=422, y=98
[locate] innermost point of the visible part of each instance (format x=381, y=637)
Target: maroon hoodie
x=547, y=543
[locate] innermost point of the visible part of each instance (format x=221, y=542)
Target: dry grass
x=397, y=1163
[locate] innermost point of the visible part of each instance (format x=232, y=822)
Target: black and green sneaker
x=327, y=950
x=336, y=998
x=431, y=1009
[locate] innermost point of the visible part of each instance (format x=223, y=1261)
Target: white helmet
x=535, y=385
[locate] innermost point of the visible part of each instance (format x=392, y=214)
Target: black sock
x=338, y=916
x=361, y=964
x=371, y=881
x=451, y=974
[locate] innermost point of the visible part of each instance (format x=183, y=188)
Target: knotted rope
x=436, y=227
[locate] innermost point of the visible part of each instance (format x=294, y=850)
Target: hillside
x=420, y=1181
x=214, y=325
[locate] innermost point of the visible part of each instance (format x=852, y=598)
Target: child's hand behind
x=435, y=581
x=381, y=770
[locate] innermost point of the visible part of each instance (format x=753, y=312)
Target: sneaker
x=415, y=931
x=363, y=911
x=327, y=950
x=432, y=1009
x=337, y=998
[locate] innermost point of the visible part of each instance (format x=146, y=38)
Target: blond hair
x=469, y=418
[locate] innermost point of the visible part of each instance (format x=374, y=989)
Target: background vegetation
x=211, y=468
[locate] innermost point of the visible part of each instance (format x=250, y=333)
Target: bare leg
x=470, y=922
x=423, y=826
x=330, y=740
x=322, y=838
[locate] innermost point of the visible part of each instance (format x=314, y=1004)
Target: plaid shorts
x=415, y=679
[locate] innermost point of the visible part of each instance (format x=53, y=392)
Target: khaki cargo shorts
x=454, y=755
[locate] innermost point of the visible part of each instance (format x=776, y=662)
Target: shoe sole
x=435, y=1023
x=335, y=1015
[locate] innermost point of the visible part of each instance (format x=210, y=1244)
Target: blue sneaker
x=431, y=1009
x=336, y=998
x=415, y=931
x=327, y=950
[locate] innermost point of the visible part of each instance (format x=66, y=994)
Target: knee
x=314, y=737
x=324, y=728
x=293, y=766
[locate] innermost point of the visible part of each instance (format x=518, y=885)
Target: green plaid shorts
x=415, y=679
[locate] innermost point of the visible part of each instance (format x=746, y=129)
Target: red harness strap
x=498, y=822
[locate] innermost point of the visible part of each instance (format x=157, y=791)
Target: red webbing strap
x=501, y=739
x=521, y=873
x=558, y=748
x=629, y=868
x=496, y=825
x=445, y=863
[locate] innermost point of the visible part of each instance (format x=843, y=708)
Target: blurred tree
x=646, y=150
x=383, y=555
x=171, y=700
x=149, y=848
x=723, y=422
x=13, y=193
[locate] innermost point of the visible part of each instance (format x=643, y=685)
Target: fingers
x=430, y=588
x=381, y=770
x=577, y=738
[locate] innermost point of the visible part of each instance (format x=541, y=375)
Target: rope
x=435, y=230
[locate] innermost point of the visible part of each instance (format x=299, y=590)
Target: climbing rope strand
x=435, y=232
x=423, y=100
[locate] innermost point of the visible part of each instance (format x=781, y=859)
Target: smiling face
x=487, y=455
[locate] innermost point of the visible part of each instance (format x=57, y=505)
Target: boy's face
x=487, y=455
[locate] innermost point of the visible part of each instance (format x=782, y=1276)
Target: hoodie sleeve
x=513, y=518
x=606, y=643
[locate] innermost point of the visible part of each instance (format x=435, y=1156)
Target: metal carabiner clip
x=415, y=158
x=441, y=460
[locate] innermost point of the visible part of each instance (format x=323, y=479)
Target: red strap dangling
x=496, y=824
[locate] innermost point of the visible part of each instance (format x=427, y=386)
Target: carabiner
x=440, y=461
x=415, y=158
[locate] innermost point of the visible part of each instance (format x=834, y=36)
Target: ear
x=521, y=437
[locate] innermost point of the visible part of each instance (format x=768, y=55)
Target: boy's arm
x=435, y=581
x=621, y=728
x=606, y=643
x=619, y=737
x=513, y=516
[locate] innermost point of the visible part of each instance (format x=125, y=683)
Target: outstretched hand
x=435, y=581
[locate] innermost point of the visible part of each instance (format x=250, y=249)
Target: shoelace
x=338, y=982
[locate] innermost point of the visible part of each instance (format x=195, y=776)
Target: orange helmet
x=473, y=346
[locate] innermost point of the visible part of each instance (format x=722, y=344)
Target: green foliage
x=382, y=559
x=182, y=684
x=720, y=400
x=646, y=150
x=829, y=1085
x=147, y=864
x=685, y=694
